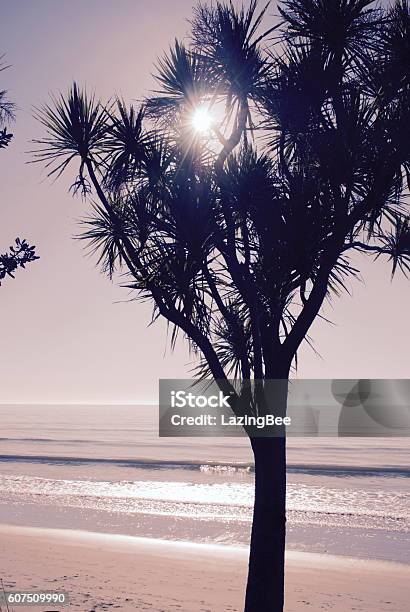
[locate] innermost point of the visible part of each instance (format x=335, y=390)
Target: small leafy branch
x=17, y=257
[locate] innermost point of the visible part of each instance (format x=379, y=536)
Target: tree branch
x=164, y=307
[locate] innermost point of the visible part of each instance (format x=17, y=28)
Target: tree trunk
x=265, y=588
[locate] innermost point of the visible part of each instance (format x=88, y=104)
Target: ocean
x=104, y=469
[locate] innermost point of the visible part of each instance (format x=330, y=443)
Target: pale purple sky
x=67, y=333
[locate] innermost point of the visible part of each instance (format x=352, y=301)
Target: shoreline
x=110, y=571
x=129, y=543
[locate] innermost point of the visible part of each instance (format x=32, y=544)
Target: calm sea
x=104, y=468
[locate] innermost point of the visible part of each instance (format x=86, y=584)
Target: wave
x=225, y=469
x=222, y=499
x=210, y=466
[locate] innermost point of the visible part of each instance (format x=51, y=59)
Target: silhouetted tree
x=21, y=252
x=238, y=233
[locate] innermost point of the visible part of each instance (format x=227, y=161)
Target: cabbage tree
x=236, y=195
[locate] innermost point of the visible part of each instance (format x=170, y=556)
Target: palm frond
x=397, y=245
x=228, y=38
x=340, y=29
x=396, y=44
x=124, y=145
x=293, y=96
x=104, y=233
x=76, y=126
x=183, y=80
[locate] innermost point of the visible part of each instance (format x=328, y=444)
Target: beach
x=103, y=572
x=92, y=502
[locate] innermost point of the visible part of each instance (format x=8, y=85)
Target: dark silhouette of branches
x=18, y=256
x=238, y=233
x=21, y=252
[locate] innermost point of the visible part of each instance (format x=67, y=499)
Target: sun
x=202, y=120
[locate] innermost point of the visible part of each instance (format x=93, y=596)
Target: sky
x=67, y=333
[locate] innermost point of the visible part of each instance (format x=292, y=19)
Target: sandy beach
x=104, y=572
x=121, y=519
